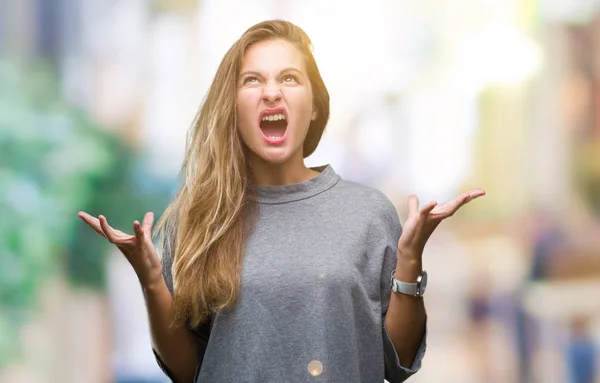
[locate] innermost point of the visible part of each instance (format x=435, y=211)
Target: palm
x=124, y=237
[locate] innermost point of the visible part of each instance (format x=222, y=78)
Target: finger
x=452, y=207
x=413, y=205
x=92, y=222
x=449, y=208
x=468, y=197
x=109, y=231
x=475, y=193
x=458, y=201
x=147, y=223
x=139, y=233
x=428, y=208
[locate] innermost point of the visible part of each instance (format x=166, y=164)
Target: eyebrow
x=258, y=74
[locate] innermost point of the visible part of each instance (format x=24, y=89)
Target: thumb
x=413, y=205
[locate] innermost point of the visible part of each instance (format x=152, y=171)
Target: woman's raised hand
x=138, y=248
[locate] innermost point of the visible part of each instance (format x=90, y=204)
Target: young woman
x=272, y=271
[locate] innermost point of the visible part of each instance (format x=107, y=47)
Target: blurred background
x=428, y=97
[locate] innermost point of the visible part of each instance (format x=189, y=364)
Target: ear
x=314, y=115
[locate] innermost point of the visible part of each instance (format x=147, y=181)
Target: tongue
x=273, y=128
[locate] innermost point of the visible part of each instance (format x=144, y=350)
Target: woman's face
x=274, y=101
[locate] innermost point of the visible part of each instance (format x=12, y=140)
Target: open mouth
x=274, y=126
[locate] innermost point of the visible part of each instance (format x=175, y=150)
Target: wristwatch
x=415, y=289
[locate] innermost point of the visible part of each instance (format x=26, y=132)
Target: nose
x=271, y=93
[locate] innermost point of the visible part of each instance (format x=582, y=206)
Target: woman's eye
x=250, y=80
x=289, y=78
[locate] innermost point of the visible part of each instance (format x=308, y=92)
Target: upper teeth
x=274, y=117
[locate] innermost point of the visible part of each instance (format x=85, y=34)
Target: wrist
x=408, y=266
x=409, y=254
x=153, y=286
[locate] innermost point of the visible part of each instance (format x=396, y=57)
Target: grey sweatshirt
x=314, y=292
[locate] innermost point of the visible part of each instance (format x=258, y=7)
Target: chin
x=275, y=157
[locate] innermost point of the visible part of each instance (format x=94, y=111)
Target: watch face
x=423, y=283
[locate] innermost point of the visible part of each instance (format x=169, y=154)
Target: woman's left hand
x=420, y=225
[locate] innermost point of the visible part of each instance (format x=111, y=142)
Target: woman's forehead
x=272, y=56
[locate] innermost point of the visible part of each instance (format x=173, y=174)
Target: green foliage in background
x=55, y=161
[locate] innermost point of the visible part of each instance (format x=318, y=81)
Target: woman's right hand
x=138, y=249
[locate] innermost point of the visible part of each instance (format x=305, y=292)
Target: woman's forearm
x=174, y=345
x=405, y=318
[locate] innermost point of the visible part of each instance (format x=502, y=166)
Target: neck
x=286, y=173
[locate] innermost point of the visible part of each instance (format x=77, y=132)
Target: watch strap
x=404, y=287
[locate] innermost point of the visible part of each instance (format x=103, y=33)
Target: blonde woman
x=272, y=271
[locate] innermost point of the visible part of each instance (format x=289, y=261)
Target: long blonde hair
x=205, y=227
